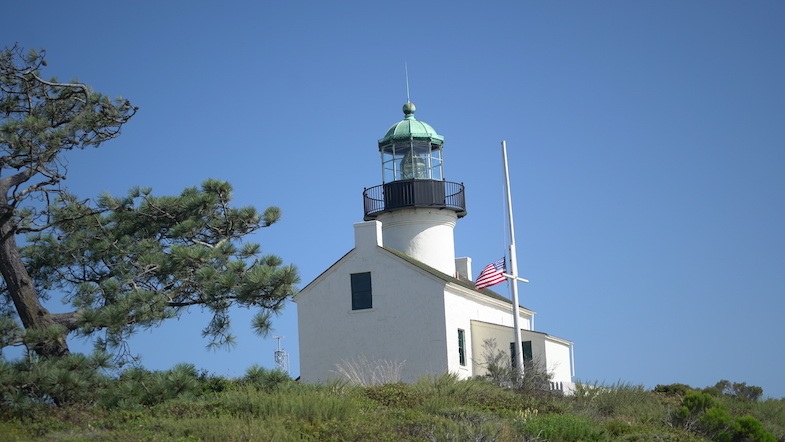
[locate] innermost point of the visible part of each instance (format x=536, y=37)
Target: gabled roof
x=422, y=266
x=323, y=273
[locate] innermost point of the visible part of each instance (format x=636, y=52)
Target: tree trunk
x=24, y=295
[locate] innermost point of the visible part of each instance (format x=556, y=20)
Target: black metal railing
x=414, y=193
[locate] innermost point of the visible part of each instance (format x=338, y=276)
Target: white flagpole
x=513, y=268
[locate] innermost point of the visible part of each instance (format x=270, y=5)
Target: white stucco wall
x=463, y=306
x=405, y=325
x=559, y=362
x=414, y=320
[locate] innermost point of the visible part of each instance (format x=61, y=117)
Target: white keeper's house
x=400, y=295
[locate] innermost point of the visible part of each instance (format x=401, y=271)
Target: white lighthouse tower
x=415, y=205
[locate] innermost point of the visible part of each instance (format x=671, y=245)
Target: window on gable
x=361, y=291
x=462, y=347
x=527, y=354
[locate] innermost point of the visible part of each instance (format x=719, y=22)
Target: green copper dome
x=410, y=129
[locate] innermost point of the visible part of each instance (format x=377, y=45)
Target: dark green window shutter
x=528, y=355
x=462, y=347
x=361, y=291
x=527, y=352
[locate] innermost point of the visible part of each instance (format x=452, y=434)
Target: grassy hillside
x=182, y=404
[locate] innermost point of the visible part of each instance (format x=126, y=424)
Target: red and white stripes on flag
x=492, y=274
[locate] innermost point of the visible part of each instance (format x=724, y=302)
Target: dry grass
x=363, y=372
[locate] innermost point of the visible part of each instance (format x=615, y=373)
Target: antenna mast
x=281, y=357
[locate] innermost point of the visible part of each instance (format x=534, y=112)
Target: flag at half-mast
x=492, y=274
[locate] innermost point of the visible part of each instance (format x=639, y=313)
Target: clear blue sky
x=647, y=152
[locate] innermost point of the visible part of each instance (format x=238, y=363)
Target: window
x=361, y=291
x=462, y=347
x=527, y=353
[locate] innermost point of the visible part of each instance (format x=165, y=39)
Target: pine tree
x=122, y=263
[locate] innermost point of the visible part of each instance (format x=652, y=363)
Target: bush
x=673, y=389
x=693, y=405
x=394, y=395
x=704, y=414
x=183, y=404
x=535, y=377
x=631, y=403
x=562, y=427
x=451, y=385
x=137, y=387
x=212, y=383
x=306, y=405
x=71, y=379
x=457, y=426
x=749, y=428
x=264, y=379
x=771, y=412
x=735, y=390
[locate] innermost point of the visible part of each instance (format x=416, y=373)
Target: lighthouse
x=393, y=303
x=416, y=206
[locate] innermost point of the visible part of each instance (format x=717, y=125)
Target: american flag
x=492, y=274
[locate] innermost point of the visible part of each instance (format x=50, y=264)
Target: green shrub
x=616, y=427
x=264, y=379
x=183, y=404
x=626, y=402
x=137, y=387
x=735, y=390
x=360, y=427
x=393, y=395
x=620, y=430
x=13, y=433
x=71, y=379
x=563, y=427
x=749, y=428
x=216, y=428
x=455, y=427
x=305, y=405
x=500, y=400
x=452, y=386
x=535, y=378
x=212, y=383
x=448, y=390
x=724, y=427
x=717, y=423
x=692, y=406
x=704, y=414
x=673, y=389
x=771, y=412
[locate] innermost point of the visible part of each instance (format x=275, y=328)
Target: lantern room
x=411, y=150
x=412, y=171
